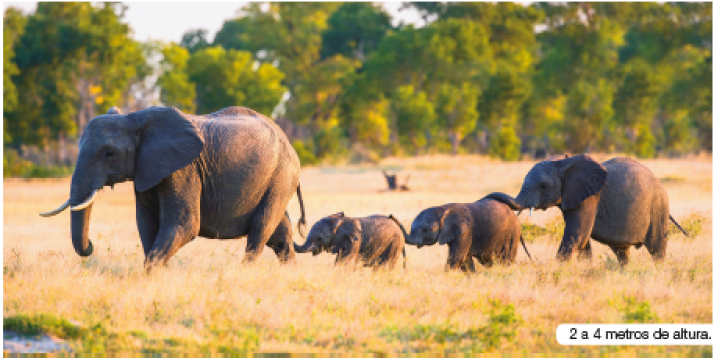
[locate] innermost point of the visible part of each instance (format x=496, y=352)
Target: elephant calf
x=486, y=230
x=376, y=240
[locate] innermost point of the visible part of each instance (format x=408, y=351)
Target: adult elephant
x=618, y=203
x=220, y=176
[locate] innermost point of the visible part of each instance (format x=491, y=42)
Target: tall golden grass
x=206, y=294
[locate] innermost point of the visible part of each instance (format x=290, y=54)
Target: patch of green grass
x=693, y=224
x=98, y=338
x=531, y=232
x=672, y=179
x=635, y=311
x=553, y=231
x=502, y=325
x=42, y=323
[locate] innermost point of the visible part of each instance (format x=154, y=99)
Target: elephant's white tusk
x=531, y=214
x=56, y=211
x=87, y=202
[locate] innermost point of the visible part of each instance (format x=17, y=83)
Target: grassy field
x=206, y=299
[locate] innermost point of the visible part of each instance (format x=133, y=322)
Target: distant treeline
x=497, y=78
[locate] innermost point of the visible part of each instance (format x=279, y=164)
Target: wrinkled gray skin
x=486, y=230
x=373, y=240
x=220, y=176
x=619, y=203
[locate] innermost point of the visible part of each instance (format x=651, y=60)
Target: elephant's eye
x=109, y=154
x=543, y=185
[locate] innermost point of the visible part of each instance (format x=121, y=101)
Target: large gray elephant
x=374, y=240
x=486, y=230
x=619, y=203
x=220, y=176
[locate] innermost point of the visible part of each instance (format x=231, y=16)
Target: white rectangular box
x=635, y=334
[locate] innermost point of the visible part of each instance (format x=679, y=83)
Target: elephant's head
x=321, y=235
x=562, y=182
x=427, y=227
x=144, y=146
x=347, y=240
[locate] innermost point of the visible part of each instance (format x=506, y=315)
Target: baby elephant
x=486, y=230
x=375, y=240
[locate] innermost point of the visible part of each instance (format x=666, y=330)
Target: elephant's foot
x=251, y=256
x=623, y=255
x=153, y=265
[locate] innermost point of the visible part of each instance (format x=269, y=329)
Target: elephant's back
x=247, y=130
x=626, y=201
x=495, y=224
x=380, y=231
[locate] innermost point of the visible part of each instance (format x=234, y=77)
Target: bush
x=13, y=165
x=16, y=167
x=304, y=153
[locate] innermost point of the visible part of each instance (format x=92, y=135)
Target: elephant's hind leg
x=281, y=242
x=586, y=253
x=468, y=265
x=656, y=238
x=264, y=223
x=623, y=254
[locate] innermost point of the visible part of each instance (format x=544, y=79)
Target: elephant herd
x=231, y=174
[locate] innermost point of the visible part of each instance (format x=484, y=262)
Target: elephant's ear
x=168, y=141
x=583, y=177
x=449, y=233
x=115, y=110
x=336, y=225
x=444, y=233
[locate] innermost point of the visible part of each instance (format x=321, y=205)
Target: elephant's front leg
x=179, y=219
x=586, y=251
x=458, y=253
x=578, y=227
x=147, y=219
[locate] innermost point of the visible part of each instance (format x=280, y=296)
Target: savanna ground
x=206, y=299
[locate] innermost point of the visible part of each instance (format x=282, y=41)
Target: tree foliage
x=503, y=79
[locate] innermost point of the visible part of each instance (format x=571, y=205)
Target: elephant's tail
x=524, y=248
x=506, y=199
x=302, y=223
x=400, y=226
x=675, y=223
x=404, y=249
x=404, y=254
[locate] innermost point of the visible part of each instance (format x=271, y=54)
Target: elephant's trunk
x=82, y=194
x=515, y=204
x=80, y=231
x=308, y=246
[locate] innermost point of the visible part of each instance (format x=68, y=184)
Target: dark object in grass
x=392, y=182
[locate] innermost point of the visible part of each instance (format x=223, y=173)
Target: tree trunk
x=455, y=138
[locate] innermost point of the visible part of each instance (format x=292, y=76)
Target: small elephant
x=375, y=240
x=619, y=203
x=486, y=230
x=220, y=176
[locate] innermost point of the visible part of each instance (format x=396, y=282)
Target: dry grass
x=207, y=297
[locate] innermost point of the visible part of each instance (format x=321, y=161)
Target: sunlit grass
x=206, y=299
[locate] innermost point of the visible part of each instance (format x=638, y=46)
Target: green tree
x=415, y=117
x=456, y=110
x=226, y=78
x=194, y=40
x=176, y=88
x=354, y=30
x=13, y=27
x=75, y=60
